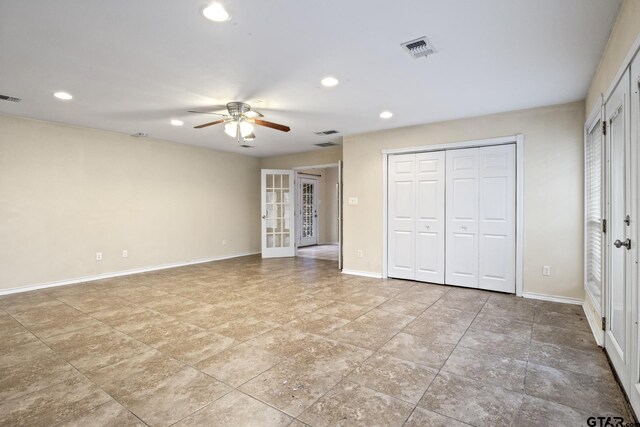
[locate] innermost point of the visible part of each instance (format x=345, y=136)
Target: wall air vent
x=327, y=132
x=9, y=98
x=419, y=47
x=140, y=135
x=326, y=144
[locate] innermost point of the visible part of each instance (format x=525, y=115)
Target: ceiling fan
x=240, y=120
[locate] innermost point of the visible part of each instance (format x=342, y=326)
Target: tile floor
x=328, y=252
x=293, y=342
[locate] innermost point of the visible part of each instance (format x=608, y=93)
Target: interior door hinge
x=604, y=323
x=604, y=225
x=604, y=128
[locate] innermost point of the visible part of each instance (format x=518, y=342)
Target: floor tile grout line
x=352, y=370
x=150, y=348
x=80, y=373
x=443, y=364
x=388, y=298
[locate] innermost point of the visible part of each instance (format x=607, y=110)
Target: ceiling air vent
x=327, y=132
x=246, y=146
x=10, y=98
x=326, y=144
x=140, y=135
x=419, y=47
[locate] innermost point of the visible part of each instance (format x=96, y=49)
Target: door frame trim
x=517, y=139
x=298, y=203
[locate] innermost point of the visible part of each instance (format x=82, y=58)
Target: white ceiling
x=132, y=65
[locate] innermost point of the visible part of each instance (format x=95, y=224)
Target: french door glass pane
x=594, y=212
x=277, y=215
x=307, y=210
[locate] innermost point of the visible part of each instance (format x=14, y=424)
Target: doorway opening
x=317, y=213
x=302, y=212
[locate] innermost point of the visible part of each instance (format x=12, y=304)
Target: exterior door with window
x=620, y=240
x=308, y=211
x=277, y=213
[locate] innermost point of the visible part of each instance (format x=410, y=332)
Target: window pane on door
x=307, y=210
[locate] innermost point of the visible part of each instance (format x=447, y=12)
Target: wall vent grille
x=419, y=47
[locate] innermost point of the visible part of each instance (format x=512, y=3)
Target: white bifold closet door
x=497, y=218
x=416, y=216
x=462, y=218
x=481, y=211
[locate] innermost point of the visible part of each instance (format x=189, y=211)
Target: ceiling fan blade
x=272, y=125
x=209, y=124
x=253, y=114
x=206, y=112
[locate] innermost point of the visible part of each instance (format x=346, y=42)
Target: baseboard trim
x=362, y=273
x=596, y=329
x=595, y=322
x=544, y=297
x=119, y=273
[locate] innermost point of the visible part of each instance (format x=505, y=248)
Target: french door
x=620, y=241
x=308, y=218
x=277, y=203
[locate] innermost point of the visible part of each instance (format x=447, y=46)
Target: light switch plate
x=353, y=201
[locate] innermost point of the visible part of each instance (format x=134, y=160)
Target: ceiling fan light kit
x=240, y=120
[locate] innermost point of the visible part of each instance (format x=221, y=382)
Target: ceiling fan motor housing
x=237, y=108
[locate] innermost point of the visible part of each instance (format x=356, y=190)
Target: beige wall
x=331, y=205
x=324, y=156
x=553, y=181
x=623, y=34
x=67, y=192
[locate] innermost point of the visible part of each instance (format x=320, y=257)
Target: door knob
x=618, y=244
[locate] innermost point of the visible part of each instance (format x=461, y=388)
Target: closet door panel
x=462, y=217
x=497, y=212
x=430, y=217
x=402, y=216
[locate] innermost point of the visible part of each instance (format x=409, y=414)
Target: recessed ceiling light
x=177, y=122
x=329, y=81
x=386, y=115
x=63, y=95
x=216, y=12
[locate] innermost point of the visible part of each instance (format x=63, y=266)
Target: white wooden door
x=462, y=217
x=402, y=216
x=497, y=218
x=634, y=388
x=430, y=217
x=619, y=233
x=277, y=213
x=308, y=215
x=340, y=210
